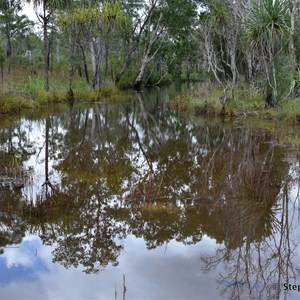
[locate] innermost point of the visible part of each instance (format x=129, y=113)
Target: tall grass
x=11, y=103
x=23, y=89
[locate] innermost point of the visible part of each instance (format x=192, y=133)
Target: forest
x=239, y=50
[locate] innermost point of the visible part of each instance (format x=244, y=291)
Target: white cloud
x=16, y=257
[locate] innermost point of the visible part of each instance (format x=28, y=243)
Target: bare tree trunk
x=86, y=72
x=147, y=56
x=96, y=52
x=137, y=43
x=45, y=19
x=139, y=79
x=106, y=60
x=293, y=11
x=249, y=65
x=8, y=50
x=71, y=69
x=233, y=67
x=93, y=57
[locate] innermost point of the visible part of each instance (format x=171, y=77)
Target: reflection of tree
x=47, y=182
x=91, y=243
x=12, y=225
x=258, y=269
x=135, y=169
x=179, y=181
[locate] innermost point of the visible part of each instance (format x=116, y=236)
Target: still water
x=130, y=200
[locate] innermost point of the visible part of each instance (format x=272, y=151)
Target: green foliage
x=267, y=29
x=285, y=76
x=109, y=16
x=127, y=80
x=220, y=14
x=80, y=16
x=268, y=22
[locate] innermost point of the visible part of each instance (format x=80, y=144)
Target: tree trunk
x=95, y=50
x=93, y=57
x=137, y=43
x=86, y=72
x=8, y=51
x=70, y=94
x=2, y=72
x=139, y=79
x=106, y=60
x=249, y=65
x=8, y=47
x=292, y=53
x=45, y=19
x=232, y=53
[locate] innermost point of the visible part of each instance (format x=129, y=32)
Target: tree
x=48, y=9
x=221, y=31
x=94, y=27
x=11, y=23
x=2, y=60
x=267, y=31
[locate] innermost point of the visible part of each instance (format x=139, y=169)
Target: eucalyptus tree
x=95, y=27
x=167, y=21
x=140, y=14
x=75, y=24
x=48, y=10
x=12, y=23
x=221, y=31
x=180, y=19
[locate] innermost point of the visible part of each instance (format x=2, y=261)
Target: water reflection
x=93, y=176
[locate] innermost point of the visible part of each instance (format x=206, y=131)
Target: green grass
x=207, y=101
x=21, y=91
x=12, y=103
x=289, y=111
x=246, y=101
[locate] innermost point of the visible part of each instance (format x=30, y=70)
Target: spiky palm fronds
x=268, y=21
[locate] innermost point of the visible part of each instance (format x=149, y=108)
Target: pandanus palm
x=267, y=30
x=48, y=9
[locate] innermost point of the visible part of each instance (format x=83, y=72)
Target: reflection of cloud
x=174, y=273
x=23, y=291
x=26, y=255
x=15, y=257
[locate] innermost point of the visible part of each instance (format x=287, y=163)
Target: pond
x=130, y=200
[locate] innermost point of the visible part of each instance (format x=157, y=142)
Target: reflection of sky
x=35, y=146
x=168, y=272
x=21, y=261
x=171, y=271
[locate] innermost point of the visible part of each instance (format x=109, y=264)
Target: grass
x=246, y=101
x=23, y=89
x=14, y=103
x=289, y=111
